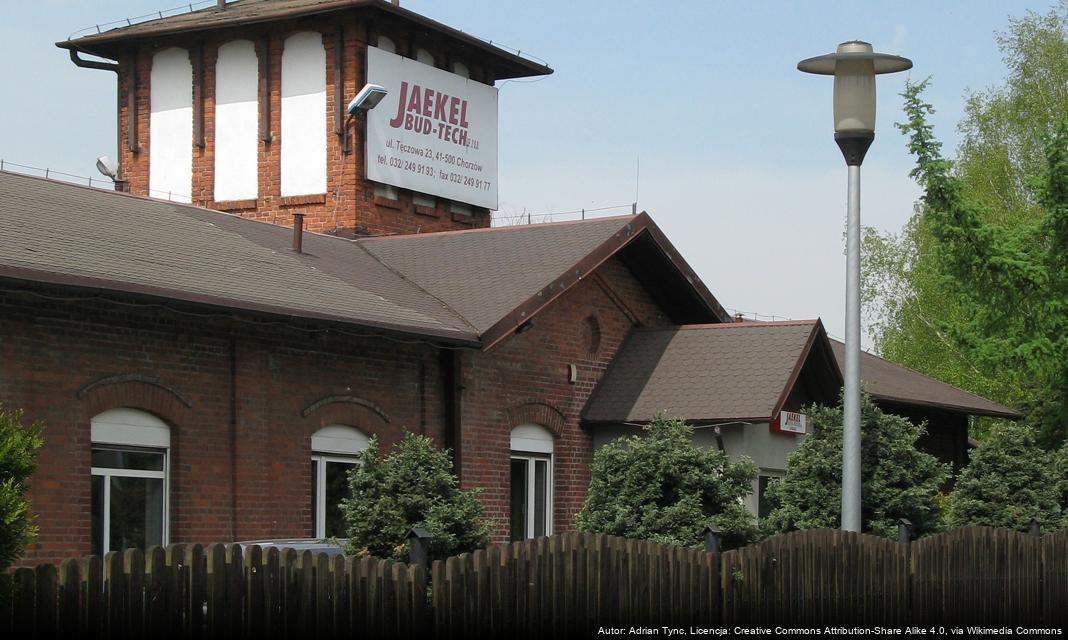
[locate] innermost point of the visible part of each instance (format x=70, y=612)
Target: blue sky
x=738, y=164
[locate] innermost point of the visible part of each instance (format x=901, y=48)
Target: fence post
x=904, y=531
x=1035, y=528
x=712, y=538
x=418, y=540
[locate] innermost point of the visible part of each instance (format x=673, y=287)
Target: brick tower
x=242, y=107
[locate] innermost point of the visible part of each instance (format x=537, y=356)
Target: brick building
x=206, y=369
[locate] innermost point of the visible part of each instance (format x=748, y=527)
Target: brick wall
x=349, y=206
x=186, y=370
x=525, y=380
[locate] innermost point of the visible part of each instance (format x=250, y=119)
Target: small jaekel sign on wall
x=789, y=422
x=435, y=132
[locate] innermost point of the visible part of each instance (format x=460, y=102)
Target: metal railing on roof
x=156, y=15
x=190, y=7
x=505, y=219
x=52, y=174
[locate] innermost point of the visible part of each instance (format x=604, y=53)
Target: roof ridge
x=408, y=280
x=409, y=236
x=746, y=324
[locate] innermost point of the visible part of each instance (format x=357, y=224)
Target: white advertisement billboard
x=435, y=132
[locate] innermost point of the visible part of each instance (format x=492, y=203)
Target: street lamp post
x=854, y=67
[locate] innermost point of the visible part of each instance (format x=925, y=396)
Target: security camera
x=107, y=166
x=367, y=99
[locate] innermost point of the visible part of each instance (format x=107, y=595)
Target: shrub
x=661, y=487
x=898, y=480
x=1008, y=481
x=18, y=451
x=414, y=486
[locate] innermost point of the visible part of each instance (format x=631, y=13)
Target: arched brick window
x=304, y=132
x=170, y=126
x=236, y=121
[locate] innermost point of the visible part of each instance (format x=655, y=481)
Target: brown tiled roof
x=499, y=278
x=891, y=382
x=473, y=287
x=486, y=273
x=245, y=12
x=71, y=235
x=704, y=373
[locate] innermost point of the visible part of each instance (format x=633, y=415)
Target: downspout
x=233, y=438
x=108, y=66
x=452, y=404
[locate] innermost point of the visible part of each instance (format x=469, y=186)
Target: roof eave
x=163, y=295
x=795, y=373
x=693, y=422
x=513, y=65
x=1004, y=412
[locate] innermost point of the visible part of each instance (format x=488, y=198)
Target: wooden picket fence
x=192, y=591
x=572, y=583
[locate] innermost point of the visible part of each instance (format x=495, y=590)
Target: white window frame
x=531, y=459
x=126, y=429
x=320, y=460
x=532, y=443
x=333, y=443
x=771, y=474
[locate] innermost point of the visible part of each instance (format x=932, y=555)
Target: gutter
x=166, y=297
x=78, y=61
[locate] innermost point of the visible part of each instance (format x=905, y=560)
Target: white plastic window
x=334, y=453
x=130, y=484
x=531, y=482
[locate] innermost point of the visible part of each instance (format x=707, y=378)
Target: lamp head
x=108, y=167
x=854, y=67
x=367, y=99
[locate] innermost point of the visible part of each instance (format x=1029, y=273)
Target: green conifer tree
x=1008, y=481
x=414, y=486
x=659, y=486
x=898, y=480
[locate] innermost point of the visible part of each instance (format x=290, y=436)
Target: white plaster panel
x=130, y=427
x=303, y=115
x=236, y=121
x=170, y=164
x=338, y=438
x=531, y=438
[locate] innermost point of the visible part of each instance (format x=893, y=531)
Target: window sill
x=390, y=203
x=427, y=211
x=235, y=205
x=293, y=201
